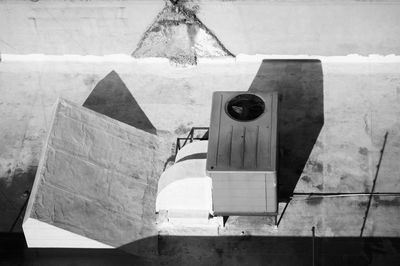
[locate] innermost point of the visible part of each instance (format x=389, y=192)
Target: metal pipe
x=373, y=184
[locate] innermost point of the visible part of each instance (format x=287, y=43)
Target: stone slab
x=97, y=177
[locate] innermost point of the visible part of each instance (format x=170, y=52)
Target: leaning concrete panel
x=97, y=178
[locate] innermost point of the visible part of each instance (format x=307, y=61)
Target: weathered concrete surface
x=177, y=34
x=59, y=27
x=358, y=110
x=244, y=27
x=331, y=216
x=361, y=103
x=305, y=27
x=97, y=177
x=390, y=165
x=383, y=217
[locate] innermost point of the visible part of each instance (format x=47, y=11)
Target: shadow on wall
x=13, y=197
x=299, y=84
x=207, y=250
x=112, y=98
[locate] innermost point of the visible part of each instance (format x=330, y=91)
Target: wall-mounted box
x=242, y=149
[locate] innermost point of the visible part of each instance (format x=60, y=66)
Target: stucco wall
x=244, y=27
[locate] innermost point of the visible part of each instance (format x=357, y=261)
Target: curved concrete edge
x=191, y=149
x=187, y=194
x=182, y=170
x=184, y=189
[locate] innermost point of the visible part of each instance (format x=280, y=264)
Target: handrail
x=190, y=137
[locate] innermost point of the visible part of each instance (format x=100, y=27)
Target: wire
x=334, y=195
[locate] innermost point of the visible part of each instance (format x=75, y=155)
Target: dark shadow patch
x=202, y=155
x=169, y=162
x=299, y=84
x=316, y=167
x=13, y=197
x=314, y=201
x=387, y=201
x=112, y=98
x=363, y=151
x=362, y=204
x=320, y=187
x=146, y=248
x=221, y=250
x=205, y=136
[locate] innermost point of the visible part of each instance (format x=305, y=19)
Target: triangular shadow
x=112, y=98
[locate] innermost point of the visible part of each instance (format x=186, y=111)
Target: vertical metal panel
x=249, y=193
x=237, y=145
x=250, y=147
x=241, y=158
x=274, y=130
x=237, y=193
x=225, y=146
x=271, y=192
x=216, y=110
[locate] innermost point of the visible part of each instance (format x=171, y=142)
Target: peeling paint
x=177, y=34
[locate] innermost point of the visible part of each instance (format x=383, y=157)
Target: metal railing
x=192, y=136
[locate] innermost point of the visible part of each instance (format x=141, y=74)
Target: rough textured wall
x=361, y=103
x=179, y=35
x=243, y=27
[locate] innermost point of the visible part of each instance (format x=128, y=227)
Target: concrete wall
x=361, y=103
x=244, y=27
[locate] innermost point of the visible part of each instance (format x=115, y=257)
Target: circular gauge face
x=245, y=107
